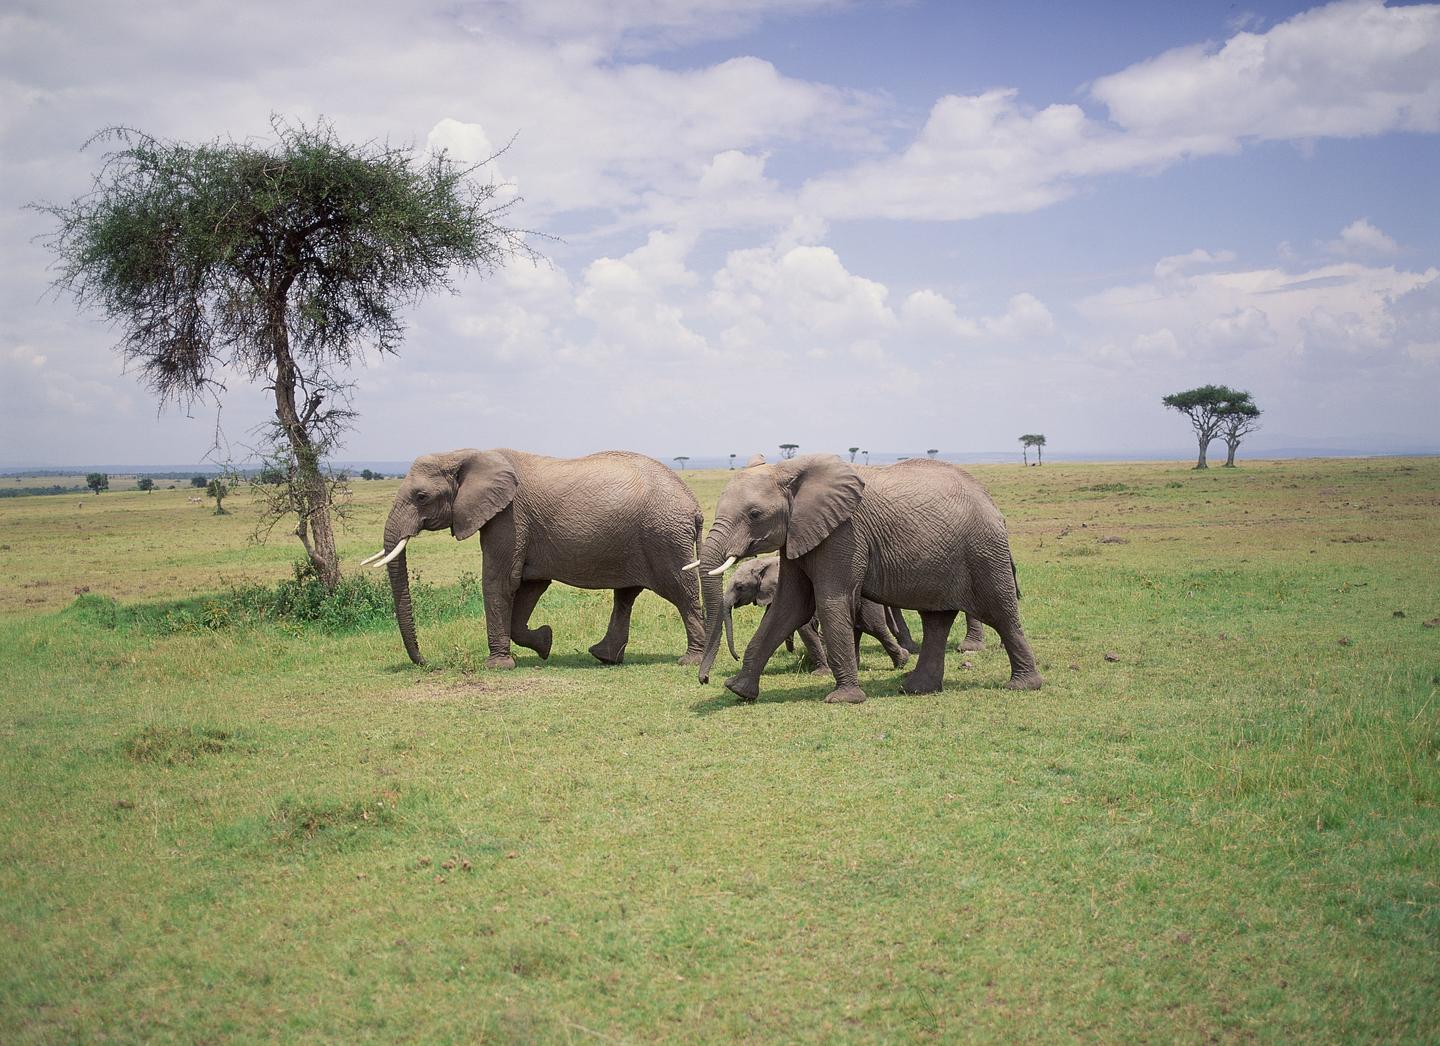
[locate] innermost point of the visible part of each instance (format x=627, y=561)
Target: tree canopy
x=1207, y=407
x=97, y=481
x=1235, y=424
x=283, y=261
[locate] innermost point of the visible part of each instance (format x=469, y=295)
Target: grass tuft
x=178, y=744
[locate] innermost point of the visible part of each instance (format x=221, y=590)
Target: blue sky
x=899, y=225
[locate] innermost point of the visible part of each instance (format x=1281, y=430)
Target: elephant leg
x=611, y=649
x=814, y=649
x=974, y=635
x=1023, y=673
x=794, y=606
x=929, y=674
x=790, y=643
x=537, y=639
x=836, y=611
x=499, y=601
x=683, y=593
x=901, y=628
x=874, y=619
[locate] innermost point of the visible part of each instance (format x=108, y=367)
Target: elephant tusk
x=399, y=548
x=692, y=565
x=370, y=559
x=723, y=567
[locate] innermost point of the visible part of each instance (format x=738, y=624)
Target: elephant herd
x=857, y=544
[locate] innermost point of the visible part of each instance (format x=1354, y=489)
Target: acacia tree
x=1030, y=439
x=853, y=452
x=681, y=459
x=283, y=261
x=97, y=481
x=787, y=450
x=145, y=483
x=732, y=462
x=1038, y=442
x=1206, y=406
x=932, y=452
x=219, y=490
x=1238, y=422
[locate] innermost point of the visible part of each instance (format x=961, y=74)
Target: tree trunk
x=1231, y=448
x=312, y=493
x=1039, y=455
x=1200, y=463
x=1025, y=453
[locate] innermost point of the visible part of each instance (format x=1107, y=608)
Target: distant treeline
x=25, y=492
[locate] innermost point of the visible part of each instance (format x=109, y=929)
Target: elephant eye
x=754, y=513
x=420, y=495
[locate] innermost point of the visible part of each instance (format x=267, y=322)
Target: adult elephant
x=611, y=520
x=920, y=534
x=753, y=584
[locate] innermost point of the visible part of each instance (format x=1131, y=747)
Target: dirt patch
x=465, y=688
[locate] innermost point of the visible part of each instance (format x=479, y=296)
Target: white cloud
x=1355, y=68
x=1360, y=237
x=1347, y=69
x=1269, y=317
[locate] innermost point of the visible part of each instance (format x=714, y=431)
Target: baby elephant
x=753, y=584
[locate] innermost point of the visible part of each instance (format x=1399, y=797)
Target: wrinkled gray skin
x=611, y=520
x=921, y=534
x=753, y=584
x=974, y=632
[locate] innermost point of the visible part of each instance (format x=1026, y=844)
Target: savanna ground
x=1217, y=821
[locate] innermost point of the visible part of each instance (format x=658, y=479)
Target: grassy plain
x=1219, y=820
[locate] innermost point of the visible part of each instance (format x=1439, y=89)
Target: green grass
x=227, y=822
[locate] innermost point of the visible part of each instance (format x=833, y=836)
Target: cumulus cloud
x=1354, y=68
x=1342, y=313
x=1360, y=237
x=1348, y=69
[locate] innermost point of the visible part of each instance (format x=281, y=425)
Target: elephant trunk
x=712, y=556
x=730, y=622
x=395, y=531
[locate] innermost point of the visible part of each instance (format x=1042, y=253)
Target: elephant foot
x=499, y=661
x=845, y=695
x=820, y=670
x=915, y=683
x=692, y=657
x=539, y=640
x=600, y=652
x=900, y=658
x=1025, y=681
x=966, y=646
x=745, y=689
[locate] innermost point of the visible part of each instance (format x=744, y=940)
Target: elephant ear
x=487, y=483
x=824, y=492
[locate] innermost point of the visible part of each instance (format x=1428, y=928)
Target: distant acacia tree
x=1026, y=442
x=853, y=452
x=931, y=453
x=1206, y=406
x=732, y=462
x=284, y=262
x=681, y=459
x=218, y=489
x=97, y=481
x=145, y=483
x=1238, y=422
x=787, y=450
x=867, y=456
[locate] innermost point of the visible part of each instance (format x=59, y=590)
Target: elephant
x=754, y=583
x=918, y=534
x=974, y=632
x=612, y=520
